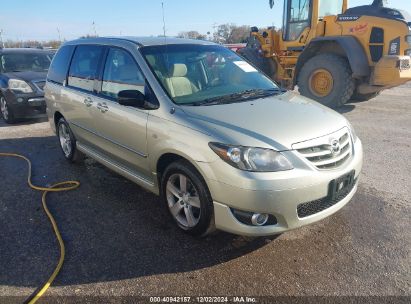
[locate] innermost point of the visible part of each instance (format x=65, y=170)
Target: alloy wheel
x=65, y=140
x=183, y=200
x=4, y=108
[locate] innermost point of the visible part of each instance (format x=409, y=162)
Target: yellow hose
x=64, y=186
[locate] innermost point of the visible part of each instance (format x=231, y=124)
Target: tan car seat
x=178, y=84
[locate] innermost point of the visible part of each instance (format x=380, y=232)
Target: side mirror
x=131, y=98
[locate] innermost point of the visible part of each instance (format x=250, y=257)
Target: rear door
x=80, y=92
x=122, y=129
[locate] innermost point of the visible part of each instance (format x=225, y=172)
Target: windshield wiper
x=238, y=97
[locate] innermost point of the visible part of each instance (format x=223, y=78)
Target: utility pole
x=58, y=31
x=1, y=38
x=215, y=34
x=94, y=29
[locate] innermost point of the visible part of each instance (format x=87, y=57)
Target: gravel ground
x=120, y=243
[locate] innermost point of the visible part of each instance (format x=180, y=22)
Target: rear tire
x=186, y=197
x=327, y=78
x=266, y=65
x=68, y=142
x=6, y=112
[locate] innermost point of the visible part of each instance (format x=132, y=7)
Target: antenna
x=164, y=19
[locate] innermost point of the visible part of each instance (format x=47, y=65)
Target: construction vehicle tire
x=327, y=78
x=266, y=65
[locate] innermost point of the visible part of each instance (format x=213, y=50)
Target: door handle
x=88, y=102
x=102, y=107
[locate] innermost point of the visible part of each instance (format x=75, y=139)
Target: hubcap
x=321, y=83
x=183, y=200
x=3, y=108
x=65, y=140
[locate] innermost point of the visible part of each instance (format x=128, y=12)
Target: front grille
x=40, y=85
x=314, y=207
x=323, y=155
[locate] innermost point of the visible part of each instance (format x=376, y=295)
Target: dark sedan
x=22, y=78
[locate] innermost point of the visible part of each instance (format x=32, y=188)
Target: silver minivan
x=191, y=121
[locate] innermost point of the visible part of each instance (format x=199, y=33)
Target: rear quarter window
x=60, y=65
x=84, y=67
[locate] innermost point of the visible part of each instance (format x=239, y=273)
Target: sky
x=49, y=19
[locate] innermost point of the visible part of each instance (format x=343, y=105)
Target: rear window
x=60, y=64
x=84, y=66
x=24, y=61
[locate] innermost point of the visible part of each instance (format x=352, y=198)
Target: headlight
x=408, y=39
x=19, y=86
x=352, y=131
x=252, y=159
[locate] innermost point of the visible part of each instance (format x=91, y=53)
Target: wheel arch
x=57, y=117
x=344, y=46
x=168, y=158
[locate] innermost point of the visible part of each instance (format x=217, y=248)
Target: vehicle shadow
x=113, y=229
x=347, y=108
x=23, y=122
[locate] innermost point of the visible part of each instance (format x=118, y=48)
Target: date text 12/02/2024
x=237, y=299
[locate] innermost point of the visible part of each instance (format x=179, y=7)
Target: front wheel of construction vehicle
x=327, y=78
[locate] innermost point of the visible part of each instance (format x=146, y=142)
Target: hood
x=379, y=11
x=27, y=75
x=276, y=122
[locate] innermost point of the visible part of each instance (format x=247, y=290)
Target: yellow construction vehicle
x=332, y=53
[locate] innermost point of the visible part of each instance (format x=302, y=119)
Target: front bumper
x=32, y=105
x=278, y=194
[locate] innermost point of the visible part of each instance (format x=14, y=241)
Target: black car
x=22, y=78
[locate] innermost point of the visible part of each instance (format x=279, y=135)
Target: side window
x=329, y=8
x=83, y=69
x=60, y=65
x=121, y=73
x=299, y=18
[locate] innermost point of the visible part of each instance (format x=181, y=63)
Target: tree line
x=223, y=33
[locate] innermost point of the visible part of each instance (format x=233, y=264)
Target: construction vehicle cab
x=335, y=53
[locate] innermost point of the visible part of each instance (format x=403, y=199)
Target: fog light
x=259, y=219
x=254, y=219
x=20, y=99
x=408, y=52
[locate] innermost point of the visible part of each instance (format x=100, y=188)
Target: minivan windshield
x=20, y=62
x=206, y=74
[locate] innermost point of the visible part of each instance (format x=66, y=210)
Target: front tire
x=327, y=78
x=186, y=196
x=68, y=142
x=6, y=112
